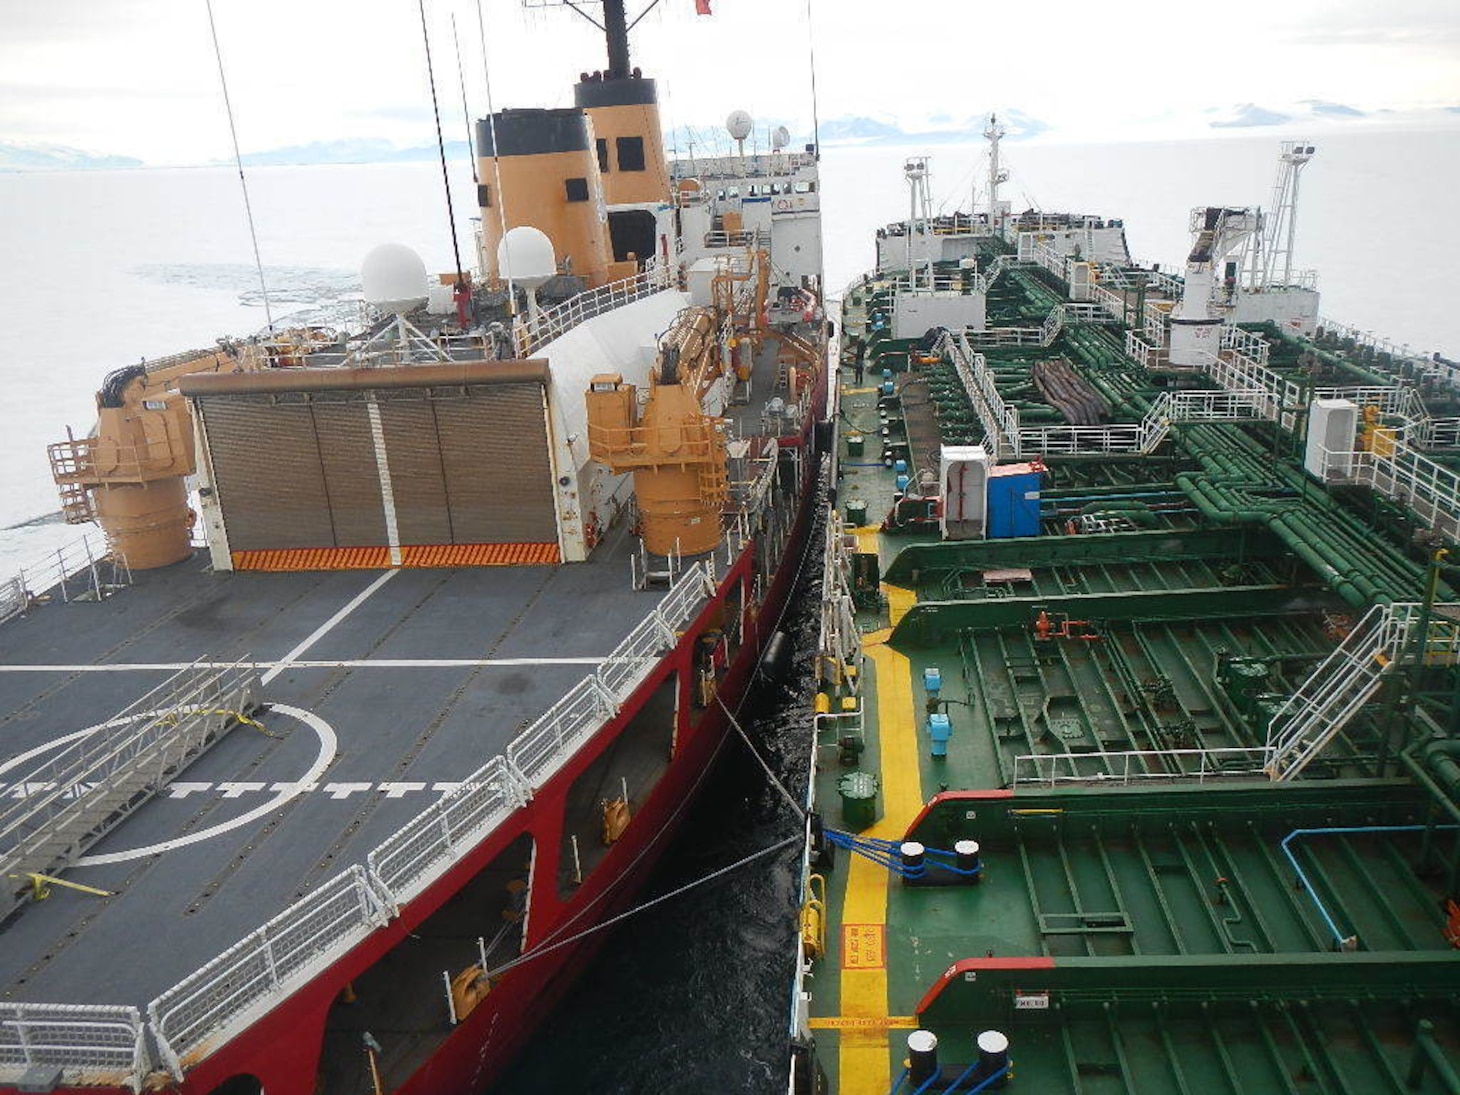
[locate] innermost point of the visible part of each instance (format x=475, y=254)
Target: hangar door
x=381, y=474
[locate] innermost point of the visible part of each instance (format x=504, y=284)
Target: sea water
x=99, y=270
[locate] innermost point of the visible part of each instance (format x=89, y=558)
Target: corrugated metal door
x=467, y=465
x=422, y=512
x=268, y=473
x=495, y=459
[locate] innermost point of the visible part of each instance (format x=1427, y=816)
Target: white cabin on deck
x=772, y=200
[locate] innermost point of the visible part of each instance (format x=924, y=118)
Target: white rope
x=770, y=775
x=540, y=951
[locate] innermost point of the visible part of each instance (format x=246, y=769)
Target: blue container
x=899, y=466
x=939, y=730
x=933, y=680
x=887, y=388
x=1013, y=505
x=902, y=482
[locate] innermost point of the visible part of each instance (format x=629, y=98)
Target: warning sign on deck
x=864, y=946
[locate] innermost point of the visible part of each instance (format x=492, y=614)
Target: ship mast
x=994, y=132
x=615, y=26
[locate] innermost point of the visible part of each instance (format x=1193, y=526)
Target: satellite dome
x=525, y=256
x=394, y=278
x=780, y=137
x=739, y=124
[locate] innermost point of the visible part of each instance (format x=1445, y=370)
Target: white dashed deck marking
x=328, y=747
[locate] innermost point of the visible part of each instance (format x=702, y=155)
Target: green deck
x=1137, y=926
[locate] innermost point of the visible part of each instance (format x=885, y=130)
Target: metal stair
x=1350, y=676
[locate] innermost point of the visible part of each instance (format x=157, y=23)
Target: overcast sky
x=137, y=77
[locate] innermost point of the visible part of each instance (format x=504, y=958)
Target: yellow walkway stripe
x=899, y=600
x=849, y=1022
x=863, y=1062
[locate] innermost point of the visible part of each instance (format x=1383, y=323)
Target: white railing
x=1079, y=440
x=86, y=568
x=1438, y=433
x=1000, y=422
x=378, y=351
x=741, y=167
x=1137, y=766
x=1006, y=336
x=751, y=237
x=954, y=281
x=1245, y=342
x=245, y=981
x=1401, y=352
x=1001, y=265
x=535, y=332
x=1431, y=491
x=1139, y=351
x=88, y=1043
x=1249, y=390
x=412, y=857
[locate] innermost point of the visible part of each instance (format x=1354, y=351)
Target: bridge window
x=603, y=155
x=577, y=189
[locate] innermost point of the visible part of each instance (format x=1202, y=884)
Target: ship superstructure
x=321, y=777
x=1136, y=739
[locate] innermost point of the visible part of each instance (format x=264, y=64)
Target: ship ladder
x=813, y=918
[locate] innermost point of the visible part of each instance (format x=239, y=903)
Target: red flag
x=702, y=7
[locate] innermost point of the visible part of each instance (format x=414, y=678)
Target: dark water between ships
x=694, y=994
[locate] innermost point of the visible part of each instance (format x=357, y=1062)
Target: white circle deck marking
x=328, y=746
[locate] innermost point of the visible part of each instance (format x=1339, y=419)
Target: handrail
x=56, y=570
x=88, y=1043
x=269, y=962
x=1137, y=765
x=534, y=332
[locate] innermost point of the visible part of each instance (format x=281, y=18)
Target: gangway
x=85, y=790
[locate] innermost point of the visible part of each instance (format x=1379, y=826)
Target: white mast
x=919, y=214
x=1281, y=228
x=994, y=132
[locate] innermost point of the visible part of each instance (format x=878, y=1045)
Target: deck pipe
x=1341, y=830
x=1314, y=527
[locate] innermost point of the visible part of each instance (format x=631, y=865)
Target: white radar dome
x=739, y=124
x=394, y=278
x=780, y=137
x=526, y=257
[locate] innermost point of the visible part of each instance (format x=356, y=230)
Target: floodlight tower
x=920, y=209
x=1281, y=225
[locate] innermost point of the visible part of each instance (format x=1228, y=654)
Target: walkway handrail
x=534, y=332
